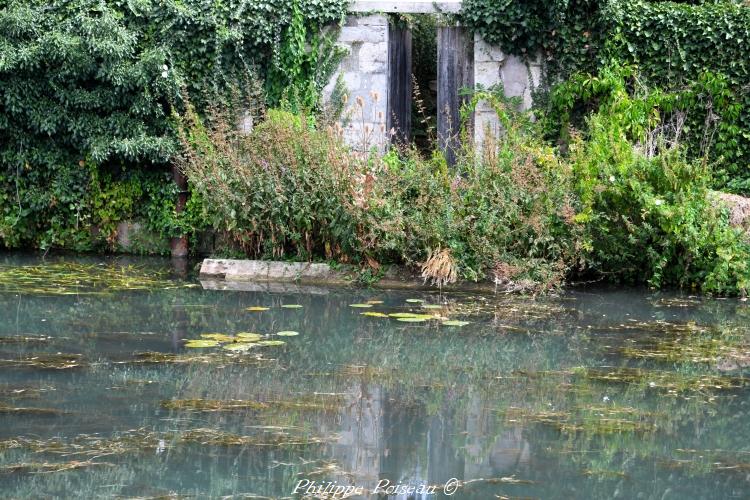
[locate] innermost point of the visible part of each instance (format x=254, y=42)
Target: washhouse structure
x=377, y=74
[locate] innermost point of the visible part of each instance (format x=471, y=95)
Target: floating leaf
x=455, y=322
x=292, y=306
x=256, y=308
x=412, y=320
x=249, y=337
x=271, y=342
x=363, y=306
x=414, y=301
x=431, y=306
x=374, y=314
x=201, y=343
x=288, y=333
x=238, y=346
x=219, y=337
x=374, y=302
x=403, y=315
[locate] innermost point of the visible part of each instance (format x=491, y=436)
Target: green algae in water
x=50, y=467
x=46, y=361
x=292, y=306
x=238, y=346
x=287, y=333
x=24, y=339
x=257, y=308
x=249, y=337
x=453, y=322
x=13, y=410
x=69, y=278
x=412, y=320
x=360, y=306
x=211, y=358
x=209, y=405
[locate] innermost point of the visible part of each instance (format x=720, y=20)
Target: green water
x=597, y=393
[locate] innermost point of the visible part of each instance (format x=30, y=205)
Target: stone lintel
x=407, y=7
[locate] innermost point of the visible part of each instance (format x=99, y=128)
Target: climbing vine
x=673, y=44
x=87, y=88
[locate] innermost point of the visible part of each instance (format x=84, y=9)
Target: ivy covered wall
x=87, y=89
x=701, y=45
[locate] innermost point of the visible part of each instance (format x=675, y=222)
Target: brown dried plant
x=440, y=267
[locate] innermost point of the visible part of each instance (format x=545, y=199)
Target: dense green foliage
x=291, y=190
x=624, y=203
x=87, y=87
x=647, y=210
x=672, y=43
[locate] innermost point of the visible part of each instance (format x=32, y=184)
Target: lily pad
x=292, y=306
x=201, y=343
x=374, y=302
x=256, y=309
x=249, y=337
x=219, y=337
x=374, y=314
x=238, y=346
x=271, y=342
x=414, y=301
x=431, y=306
x=363, y=306
x=403, y=315
x=411, y=315
x=287, y=333
x=412, y=320
x=455, y=322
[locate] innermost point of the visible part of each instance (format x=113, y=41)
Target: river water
x=594, y=393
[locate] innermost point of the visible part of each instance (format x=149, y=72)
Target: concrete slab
x=407, y=7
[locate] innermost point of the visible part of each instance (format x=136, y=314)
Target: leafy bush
x=674, y=44
x=646, y=208
x=92, y=83
x=291, y=190
x=282, y=191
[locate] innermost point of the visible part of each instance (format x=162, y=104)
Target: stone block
x=369, y=34
x=484, y=52
x=372, y=20
x=487, y=74
x=373, y=53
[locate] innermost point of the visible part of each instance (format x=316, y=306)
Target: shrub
x=646, y=208
x=284, y=190
x=289, y=189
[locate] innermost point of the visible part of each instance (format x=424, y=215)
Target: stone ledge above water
x=256, y=275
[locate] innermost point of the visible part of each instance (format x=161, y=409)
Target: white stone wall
x=493, y=66
x=365, y=73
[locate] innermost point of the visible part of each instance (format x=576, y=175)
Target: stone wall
x=364, y=72
x=491, y=67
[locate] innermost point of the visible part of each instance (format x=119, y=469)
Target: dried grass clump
x=440, y=267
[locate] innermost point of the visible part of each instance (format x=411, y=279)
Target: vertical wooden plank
x=455, y=71
x=399, y=82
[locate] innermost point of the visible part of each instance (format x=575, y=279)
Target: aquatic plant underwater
x=169, y=389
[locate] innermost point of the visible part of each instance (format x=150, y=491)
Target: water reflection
x=602, y=394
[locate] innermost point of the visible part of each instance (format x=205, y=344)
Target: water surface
x=597, y=393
